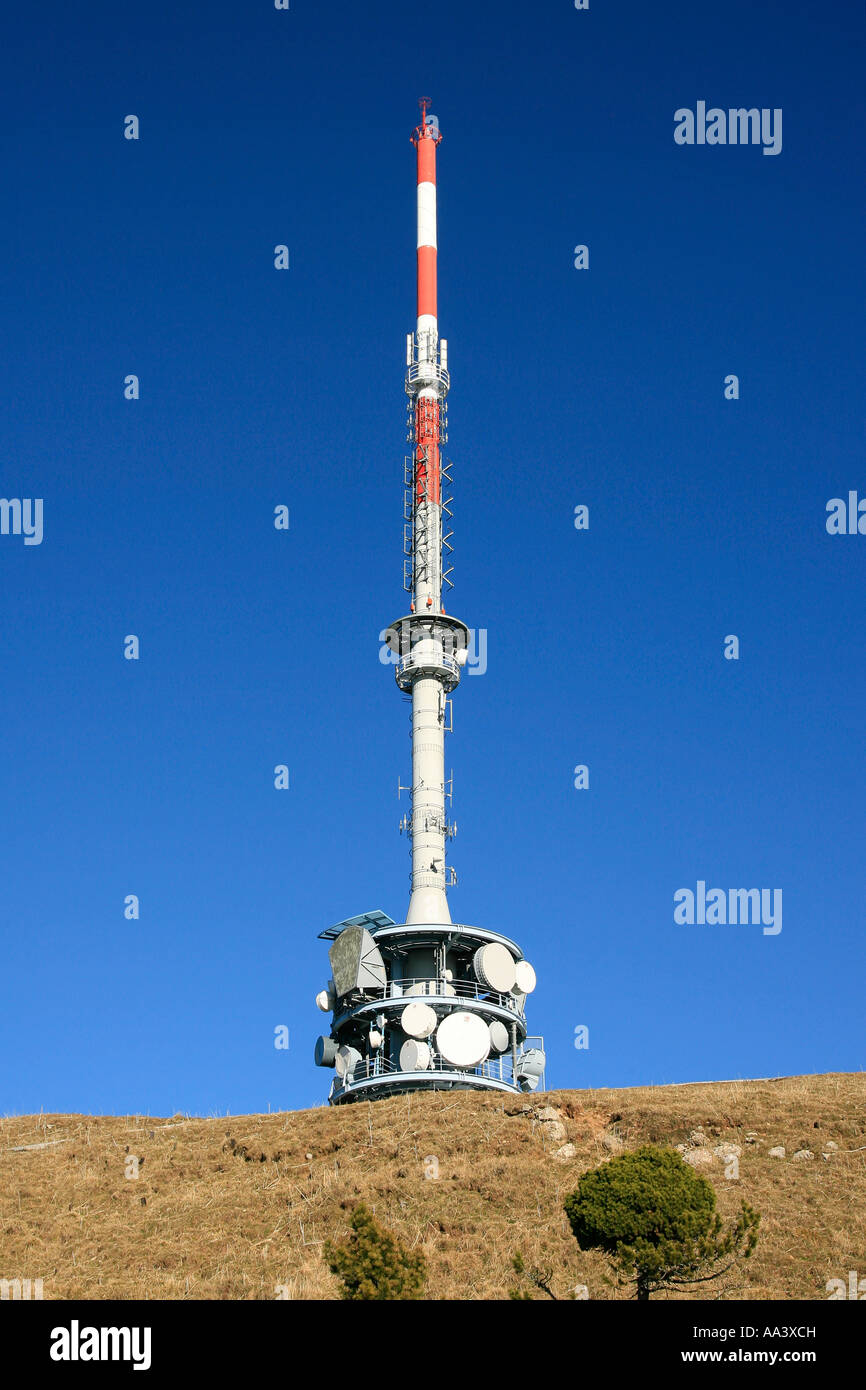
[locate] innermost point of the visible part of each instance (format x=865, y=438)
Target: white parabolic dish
x=418, y=1020
x=526, y=980
x=498, y=1037
x=346, y=1060
x=494, y=967
x=463, y=1039
x=414, y=1056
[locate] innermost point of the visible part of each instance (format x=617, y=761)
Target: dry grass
x=234, y=1208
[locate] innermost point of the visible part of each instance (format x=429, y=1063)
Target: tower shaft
x=430, y=642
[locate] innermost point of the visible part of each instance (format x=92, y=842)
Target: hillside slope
x=237, y=1208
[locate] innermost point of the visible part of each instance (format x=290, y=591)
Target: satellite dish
x=346, y=1060
x=375, y=1039
x=499, y=1039
x=525, y=977
x=530, y=1066
x=418, y=1020
x=414, y=1055
x=356, y=962
x=448, y=975
x=325, y=1001
x=463, y=1039
x=494, y=967
x=326, y=1052
x=531, y=1061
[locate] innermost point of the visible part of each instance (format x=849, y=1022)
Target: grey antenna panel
x=356, y=962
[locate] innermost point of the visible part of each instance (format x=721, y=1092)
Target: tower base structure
x=425, y=1006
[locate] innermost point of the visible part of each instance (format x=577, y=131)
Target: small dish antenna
x=414, y=1055
x=494, y=967
x=418, y=1020
x=525, y=978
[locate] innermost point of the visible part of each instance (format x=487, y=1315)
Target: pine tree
x=374, y=1264
x=656, y=1218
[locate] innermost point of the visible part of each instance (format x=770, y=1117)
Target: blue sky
x=602, y=387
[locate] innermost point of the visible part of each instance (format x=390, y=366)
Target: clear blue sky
x=605, y=647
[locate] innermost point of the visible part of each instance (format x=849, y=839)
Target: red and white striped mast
x=432, y=645
x=428, y=349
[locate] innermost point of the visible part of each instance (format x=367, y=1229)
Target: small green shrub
x=374, y=1264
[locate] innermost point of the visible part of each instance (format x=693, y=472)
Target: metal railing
x=442, y=660
x=493, y=1069
x=420, y=374
x=424, y=986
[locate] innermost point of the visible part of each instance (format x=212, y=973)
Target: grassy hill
x=232, y=1208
